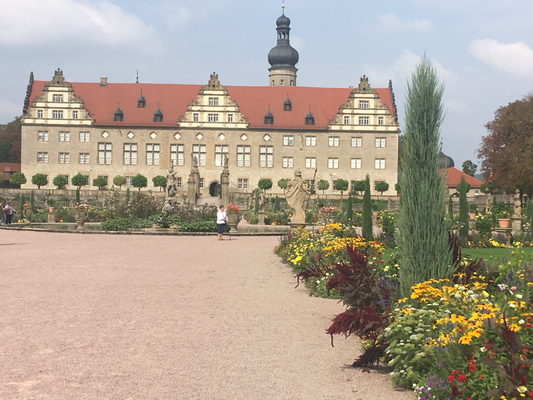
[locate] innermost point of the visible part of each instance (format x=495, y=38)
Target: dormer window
x=141, y=103
x=309, y=119
x=269, y=118
x=158, y=115
x=119, y=115
x=287, y=106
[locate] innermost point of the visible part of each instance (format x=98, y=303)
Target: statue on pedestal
x=517, y=204
x=296, y=194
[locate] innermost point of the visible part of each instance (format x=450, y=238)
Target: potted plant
x=234, y=216
x=473, y=209
x=504, y=219
x=80, y=212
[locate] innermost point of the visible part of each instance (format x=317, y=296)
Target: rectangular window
x=213, y=101
x=288, y=162
x=74, y=115
x=57, y=98
x=86, y=179
x=178, y=182
x=198, y=151
x=177, y=154
x=379, y=163
x=230, y=117
x=364, y=104
x=310, y=141
x=212, y=117
x=355, y=163
x=221, y=151
x=152, y=154
x=195, y=117
x=128, y=181
x=288, y=140
x=346, y=120
x=85, y=136
x=333, y=141
x=42, y=157
x=64, y=158
x=57, y=114
x=333, y=163
x=364, y=120
x=357, y=142
x=39, y=113
x=242, y=183
x=104, y=153
x=84, y=158
x=130, y=153
x=380, y=120
x=380, y=142
x=42, y=136
x=201, y=183
x=311, y=185
x=310, y=162
x=64, y=136
x=266, y=156
x=243, y=156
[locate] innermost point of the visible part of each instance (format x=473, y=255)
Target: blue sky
x=483, y=49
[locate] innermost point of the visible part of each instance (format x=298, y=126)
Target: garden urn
x=233, y=220
x=81, y=217
x=27, y=212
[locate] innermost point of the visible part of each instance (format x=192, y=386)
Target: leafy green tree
x=505, y=152
x=10, y=136
x=160, y=181
x=398, y=187
x=139, y=181
x=79, y=180
x=39, y=180
x=264, y=184
x=359, y=186
x=323, y=185
x=100, y=181
x=422, y=228
x=60, y=181
x=341, y=185
x=450, y=208
x=484, y=188
x=469, y=168
x=119, y=181
x=282, y=183
x=367, y=211
x=17, y=178
x=381, y=186
x=463, y=187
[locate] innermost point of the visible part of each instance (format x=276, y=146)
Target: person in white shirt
x=221, y=222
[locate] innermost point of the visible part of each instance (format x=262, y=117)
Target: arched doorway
x=214, y=189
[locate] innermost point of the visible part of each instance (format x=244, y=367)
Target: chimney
x=103, y=81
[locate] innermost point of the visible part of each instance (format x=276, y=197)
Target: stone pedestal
x=516, y=224
x=224, y=186
x=81, y=217
x=233, y=221
x=191, y=189
x=261, y=216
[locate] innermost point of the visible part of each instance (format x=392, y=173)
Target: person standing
x=8, y=211
x=2, y=216
x=221, y=222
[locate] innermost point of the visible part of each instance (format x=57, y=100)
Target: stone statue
x=517, y=204
x=171, y=182
x=226, y=160
x=488, y=205
x=194, y=162
x=261, y=200
x=296, y=194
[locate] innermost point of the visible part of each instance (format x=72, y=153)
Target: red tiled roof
x=173, y=99
x=8, y=167
x=454, y=178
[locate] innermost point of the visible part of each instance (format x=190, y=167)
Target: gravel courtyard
x=166, y=317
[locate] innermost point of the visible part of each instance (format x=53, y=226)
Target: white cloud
x=391, y=23
x=32, y=23
x=177, y=15
x=514, y=58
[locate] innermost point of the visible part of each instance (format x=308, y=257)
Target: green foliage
x=450, y=208
x=264, y=184
x=529, y=211
x=484, y=225
x=60, y=181
x=359, y=186
x=79, y=180
x=10, y=136
x=463, y=187
x=472, y=207
x=100, y=182
x=282, y=183
x=398, y=187
x=17, y=178
x=139, y=181
x=200, y=226
x=127, y=195
x=323, y=185
x=469, y=168
x=256, y=204
x=381, y=186
x=484, y=188
x=276, y=204
x=349, y=208
x=32, y=200
x=387, y=224
x=39, y=180
x=423, y=230
x=342, y=185
x=500, y=209
x=367, y=211
x=123, y=224
x=159, y=181
x=143, y=205
x=116, y=208
x=119, y=181
x=78, y=195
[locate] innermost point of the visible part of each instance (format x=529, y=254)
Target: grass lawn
x=490, y=256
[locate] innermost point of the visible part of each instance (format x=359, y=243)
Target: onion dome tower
x=283, y=57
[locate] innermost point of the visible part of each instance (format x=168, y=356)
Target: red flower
x=451, y=378
x=523, y=379
x=523, y=356
x=525, y=351
x=462, y=378
x=481, y=376
x=531, y=394
x=527, y=325
x=529, y=319
x=471, y=367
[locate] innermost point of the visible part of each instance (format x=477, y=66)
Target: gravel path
x=163, y=317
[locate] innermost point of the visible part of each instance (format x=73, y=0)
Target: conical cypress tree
x=423, y=235
x=276, y=204
x=32, y=200
x=463, y=187
x=349, y=208
x=367, y=211
x=256, y=205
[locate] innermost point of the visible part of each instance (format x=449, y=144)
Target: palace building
x=109, y=129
